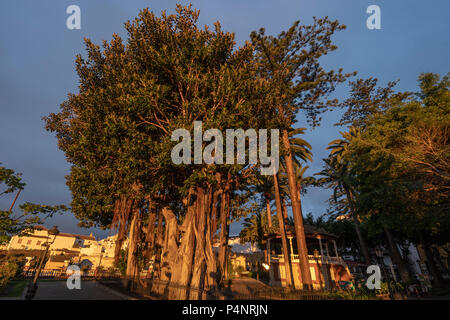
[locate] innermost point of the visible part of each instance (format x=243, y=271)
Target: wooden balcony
x=311, y=258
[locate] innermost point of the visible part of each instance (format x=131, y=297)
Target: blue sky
x=37, y=71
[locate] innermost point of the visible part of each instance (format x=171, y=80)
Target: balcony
x=311, y=258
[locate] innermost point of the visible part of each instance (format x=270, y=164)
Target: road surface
x=90, y=290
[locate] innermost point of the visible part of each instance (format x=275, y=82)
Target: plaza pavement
x=90, y=290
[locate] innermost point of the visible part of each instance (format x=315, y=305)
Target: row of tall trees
x=390, y=170
x=116, y=133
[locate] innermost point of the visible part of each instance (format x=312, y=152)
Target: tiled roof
x=311, y=231
x=59, y=258
x=79, y=236
x=40, y=228
x=61, y=234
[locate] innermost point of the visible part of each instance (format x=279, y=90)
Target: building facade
x=327, y=268
x=64, y=249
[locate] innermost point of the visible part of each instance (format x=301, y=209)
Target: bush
x=239, y=270
x=8, y=270
x=351, y=295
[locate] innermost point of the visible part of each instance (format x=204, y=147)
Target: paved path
x=248, y=285
x=90, y=290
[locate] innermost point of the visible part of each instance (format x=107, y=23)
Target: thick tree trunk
x=211, y=263
x=150, y=234
x=183, y=265
x=396, y=257
x=298, y=219
x=286, y=255
x=170, y=247
x=214, y=214
x=158, y=247
x=223, y=249
x=132, y=244
x=198, y=276
x=123, y=215
x=188, y=260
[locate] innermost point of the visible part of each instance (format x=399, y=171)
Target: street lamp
x=33, y=284
x=379, y=254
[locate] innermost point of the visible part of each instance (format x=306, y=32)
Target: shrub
x=8, y=270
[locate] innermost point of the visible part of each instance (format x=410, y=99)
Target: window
x=29, y=242
x=20, y=240
x=38, y=243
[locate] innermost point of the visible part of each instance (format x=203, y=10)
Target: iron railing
x=158, y=289
x=62, y=275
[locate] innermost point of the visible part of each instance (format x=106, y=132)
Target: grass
x=14, y=289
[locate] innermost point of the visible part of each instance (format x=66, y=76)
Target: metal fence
x=165, y=290
x=62, y=275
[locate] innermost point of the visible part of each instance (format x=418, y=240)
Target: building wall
x=93, y=250
x=322, y=275
x=63, y=242
x=76, y=248
x=32, y=242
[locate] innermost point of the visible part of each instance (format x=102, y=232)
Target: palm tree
x=337, y=176
x=264, y=185
x=254, y=229
x=267, y=187
x=297, y=150
x=282, y=228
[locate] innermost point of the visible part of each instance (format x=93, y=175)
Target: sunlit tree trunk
x=199, y=267
x=224, y=216
x=296, y=211
x=170, y=246
x=211, y=261
x=214, y=214
x=150, y=233
x=287, y=260
x=122, y=215
x=158, y=247
x=184, y=261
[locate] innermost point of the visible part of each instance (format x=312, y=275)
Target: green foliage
x=11, y=180
x=391, y=167
x=122, y=263
x=12, y=224
x=8, y=270
x=255, y=227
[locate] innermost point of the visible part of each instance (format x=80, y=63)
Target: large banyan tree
x=117, y=133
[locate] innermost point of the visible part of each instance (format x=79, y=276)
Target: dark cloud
x=37, y=55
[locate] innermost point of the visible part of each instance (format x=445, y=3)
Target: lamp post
x=33, y=284
x=379, y=254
